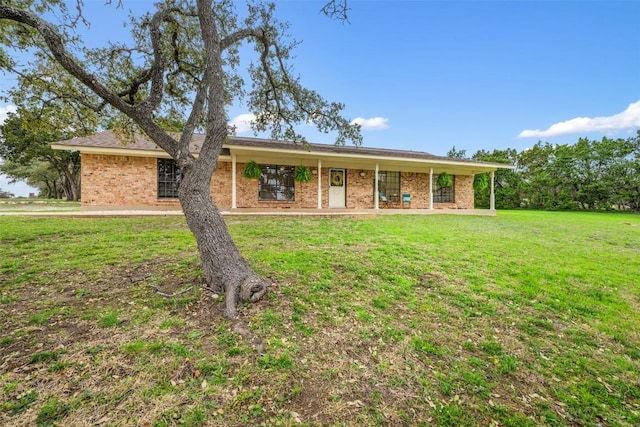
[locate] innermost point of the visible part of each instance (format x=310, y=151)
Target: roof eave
x=255, y=152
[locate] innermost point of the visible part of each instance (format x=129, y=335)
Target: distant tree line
x=5, y=194
x=27, y=156
x=587, y=175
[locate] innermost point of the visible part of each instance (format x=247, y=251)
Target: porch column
x=233, y=181
x=492, y=202
x=431, y=188
x=376, y=194
x=319, y=184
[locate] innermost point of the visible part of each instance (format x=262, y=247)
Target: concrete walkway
x=91, y=212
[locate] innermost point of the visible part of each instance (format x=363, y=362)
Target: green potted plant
x=444, y=180
x=302, y=174
x=252, y=170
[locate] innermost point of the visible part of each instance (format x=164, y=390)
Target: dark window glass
x=168, y=179
x=389, y=186
x=276, y=183
x=443, y=194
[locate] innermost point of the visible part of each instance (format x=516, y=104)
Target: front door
x=337, y=188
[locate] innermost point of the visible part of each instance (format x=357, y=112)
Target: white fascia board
x=359, y=159
x=479, y=167
x=111, y=151
x=121, y=151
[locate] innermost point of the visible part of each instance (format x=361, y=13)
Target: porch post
x=376, y=194
x=319, y=184
x=233, y=181
x=492, y=203
x=431, y=188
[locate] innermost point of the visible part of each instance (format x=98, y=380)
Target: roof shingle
x=107, y=139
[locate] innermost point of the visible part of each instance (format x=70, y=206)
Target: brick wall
x=359, y=189
x=417, y=186
x=132, y=181
x=306, y=193
x=221, y=185
x=464, y=192
x=120, y=181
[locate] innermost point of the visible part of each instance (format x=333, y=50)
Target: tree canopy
x=180, y=72
x=28, y=156
x=586, y=175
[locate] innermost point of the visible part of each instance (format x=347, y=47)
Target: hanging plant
x=302, y=174
x=444, y=180
x=252, y=170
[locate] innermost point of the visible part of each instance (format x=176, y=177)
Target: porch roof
x=270, y=151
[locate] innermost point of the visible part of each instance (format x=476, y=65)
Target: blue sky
x=428, y=75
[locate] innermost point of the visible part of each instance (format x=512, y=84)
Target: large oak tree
x=180, y=72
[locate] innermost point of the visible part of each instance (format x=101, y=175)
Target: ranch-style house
x=141, y=175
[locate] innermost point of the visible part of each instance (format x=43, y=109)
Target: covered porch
x=364, y=173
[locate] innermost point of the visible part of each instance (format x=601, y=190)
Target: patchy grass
x=526, y=319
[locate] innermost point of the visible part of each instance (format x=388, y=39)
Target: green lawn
x=525, y=319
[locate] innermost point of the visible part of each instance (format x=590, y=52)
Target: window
x=389, y=186
x=276, y=183
x=443, y=194
x=168, y=179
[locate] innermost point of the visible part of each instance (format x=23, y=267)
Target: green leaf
x=252, y=170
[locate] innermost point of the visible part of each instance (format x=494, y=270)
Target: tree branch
x=286, y=100
x=134, y=86
x=142, y=114
x=213, y=79
x=196, y=112
x=157, y=69
x=240, y=35
x=338, y=9
x=62, y=56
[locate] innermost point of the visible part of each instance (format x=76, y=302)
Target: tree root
x=251, y=289
x=175, y=294
x=241, y=329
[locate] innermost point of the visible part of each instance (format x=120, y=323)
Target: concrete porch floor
x=106, y=212
x=356, y=212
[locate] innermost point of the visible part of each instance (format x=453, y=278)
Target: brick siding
x=120, y=181
x=129, y=181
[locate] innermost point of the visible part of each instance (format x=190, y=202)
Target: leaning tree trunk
x=224, y=268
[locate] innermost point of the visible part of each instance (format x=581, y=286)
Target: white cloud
x=4, y=111
x=629, y=119
x=374, y=123
x=242, y=122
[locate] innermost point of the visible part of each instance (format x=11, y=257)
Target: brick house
x=141, y=175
